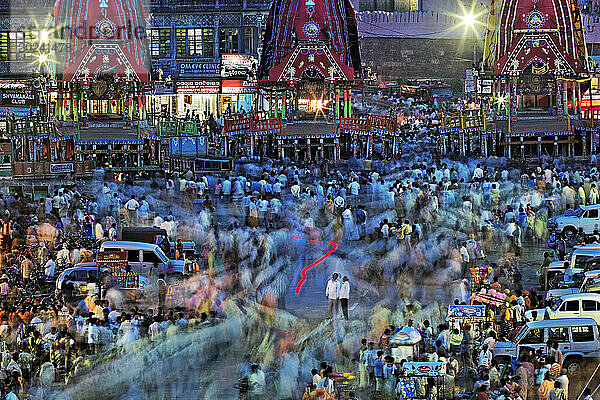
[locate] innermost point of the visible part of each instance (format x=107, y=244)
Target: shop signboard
x=423, y=368
x=188, y=145
x=17, y=112
x=238, y=65
x=18, y=97
x=115, y=261
x=198, y=87
x=236, y=86
x=198, y=68
x=466, y=311
x=63, y=168
x=388, y=84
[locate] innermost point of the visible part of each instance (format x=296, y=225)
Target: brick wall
x=401, y=58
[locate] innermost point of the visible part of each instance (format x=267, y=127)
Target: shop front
x=238, y=90
x=200, y=96
x=237, y=96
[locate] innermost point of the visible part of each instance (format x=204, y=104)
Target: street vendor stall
x=404, y=343
x=414, y=378
x=479, y=277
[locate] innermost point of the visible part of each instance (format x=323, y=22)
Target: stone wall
x=403, y=58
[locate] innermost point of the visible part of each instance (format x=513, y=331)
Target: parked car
x=73, y=281
x=577, y=340
x=586, y=217
x=590, y=283
x=145, y=258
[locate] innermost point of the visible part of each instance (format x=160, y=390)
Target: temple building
x=535, y=53
x=309, y=67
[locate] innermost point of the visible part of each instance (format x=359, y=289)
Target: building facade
x=204, y=54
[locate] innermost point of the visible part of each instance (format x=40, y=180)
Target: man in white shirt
x=131, y=206
x=49, y=267
x=295, y=189
x=478, y=173
x=256, y=380
x=333, y=294
x=345, y=296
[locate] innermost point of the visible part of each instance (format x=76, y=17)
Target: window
x=181, y=43
x=572, y=305
x=17, y=45
x=4, y=46
x=133, y=256
x=159, y=41
x=580, y=261
x=228, y=40
x=200, y=42
x=582, y=333
x=592, y=213
x=250, y=39
x=194, y=42
x=589, y=305
x=149, y=256
x=534, y=336
x=558, y=334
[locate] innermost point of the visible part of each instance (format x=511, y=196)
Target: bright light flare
x=471, y=19
x=44, y=36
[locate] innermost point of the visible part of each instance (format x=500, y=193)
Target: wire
x=400, y=32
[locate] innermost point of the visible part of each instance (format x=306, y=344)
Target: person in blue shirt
x=568, y=272
x=198, y=203
x=378, y=371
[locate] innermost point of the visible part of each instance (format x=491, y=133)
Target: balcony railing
x=6, y=5
x=203, y=4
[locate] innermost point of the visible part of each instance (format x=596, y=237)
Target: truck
x=158, y=236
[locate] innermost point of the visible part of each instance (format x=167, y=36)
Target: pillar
x=59, y=103
x=280, y=148
x=308, y=150
x=75, y=107
x=574, y=97
x=565, y=98
x=270, y=104
x=579, y=98
x=337, y=103
x=226, y=144
x=354, y=143
x=276, y=105
x=251, y=145
x=322, y=149
x=296, y=150
x=284, y=106
x=369, y=145
x=349, y=103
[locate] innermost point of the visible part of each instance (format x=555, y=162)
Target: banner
x=17, y=112
x=238, y=65
x=198, y=87
x=61, y=168
x=422, y=368
x=198, y=69
x=237, y=87
x=466, y=311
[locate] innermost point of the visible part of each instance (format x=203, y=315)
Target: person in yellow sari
x=545, y=387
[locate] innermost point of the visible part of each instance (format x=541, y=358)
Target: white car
x=586, y=217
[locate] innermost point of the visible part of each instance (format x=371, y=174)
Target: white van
x=146, y=258
x=589, y=284
x=585, y=217
x=581, y=255
x=579, y=305
x=577, y=339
